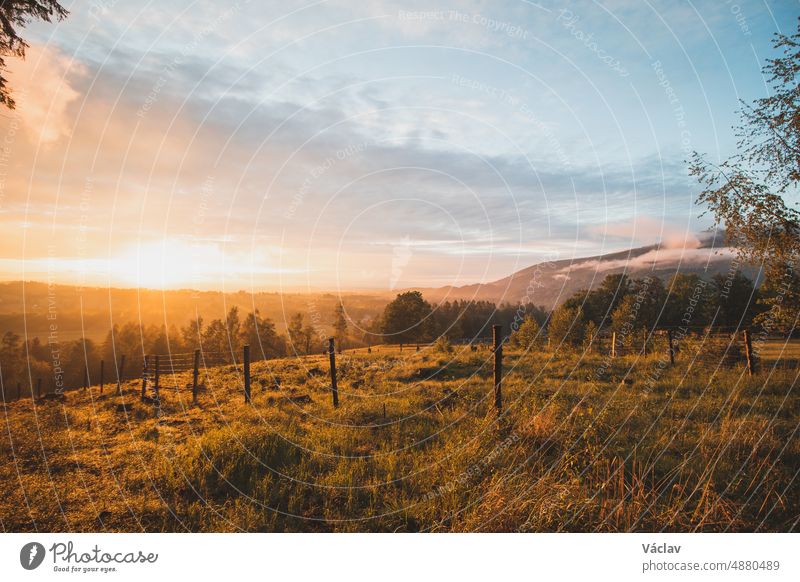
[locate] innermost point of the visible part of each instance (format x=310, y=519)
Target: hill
x=415, y=445
x=551, y=283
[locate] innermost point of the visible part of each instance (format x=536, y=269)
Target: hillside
x=415, y=446
x=551, y=283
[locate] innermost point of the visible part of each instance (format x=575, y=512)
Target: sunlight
x=168, y=264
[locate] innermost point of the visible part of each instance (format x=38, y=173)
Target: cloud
x=41, y=88
x=656, y=259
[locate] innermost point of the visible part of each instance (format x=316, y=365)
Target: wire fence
x=712, y=347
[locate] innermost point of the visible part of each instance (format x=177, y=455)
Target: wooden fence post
x=748, y=351
x=644, y=342
x=613, y=344
x=247, y=374
x=195, y=374
x=332, y=356
x=144, y=377
x=670, y=347
x=102, y=372
x=120, y=374
x=498, y=366
x=158, y=370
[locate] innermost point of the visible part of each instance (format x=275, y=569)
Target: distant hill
x=551, y=283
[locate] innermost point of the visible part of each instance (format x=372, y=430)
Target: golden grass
x=703, y=450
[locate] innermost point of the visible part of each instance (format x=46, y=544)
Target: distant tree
x=688, y=301
x=14, y=14
x=259, y=333
x=160, y=342
x=215, y=337
x=735, y=298
x=11, y=360
x=405, y=318
x=340, y=326
x=747, y=192
x=529, y=336
x=193, y=333
x=297, y=336
x=598, y=304
x=233, y=328
x=566, y=327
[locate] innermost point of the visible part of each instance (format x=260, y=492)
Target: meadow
x=585, y=443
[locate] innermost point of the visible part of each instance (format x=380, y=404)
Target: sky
x=353, y=145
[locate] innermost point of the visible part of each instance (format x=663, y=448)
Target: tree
x=193, y=333
x=17, y=13
x=233, y=327
x=566, y=326
x=11, y=361
x=300, y=336
x=405, y=318
x=340, y=326
x=688, y=301
x=215, y=338
x=529, y=335
x=735, y=297
x=745, y=193
x=260, y=334
x=598, y=304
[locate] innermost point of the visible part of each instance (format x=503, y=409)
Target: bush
x=566, y=327
x=529, y=336
x=443, y=345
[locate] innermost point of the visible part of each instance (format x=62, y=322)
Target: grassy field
x=585, y=444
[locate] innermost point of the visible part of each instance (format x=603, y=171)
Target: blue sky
x=371, y=144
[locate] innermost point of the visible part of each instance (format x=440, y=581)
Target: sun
x=165, y=264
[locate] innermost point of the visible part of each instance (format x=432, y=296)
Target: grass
x=585, y=444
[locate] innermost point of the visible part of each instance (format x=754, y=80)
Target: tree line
x=629, y=306
x=65, y=364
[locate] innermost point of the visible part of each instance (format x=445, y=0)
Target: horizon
x=686, y=247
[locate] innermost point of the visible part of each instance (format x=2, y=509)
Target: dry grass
x=701, y=450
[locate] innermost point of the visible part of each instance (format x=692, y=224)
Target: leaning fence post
x=247, y=374
x=194, y=375
x=670, y=347
x=144, y=377
x=498, y=366
x=102, y=372
x=332, y=356
x=748, y=351
x=120, y=374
